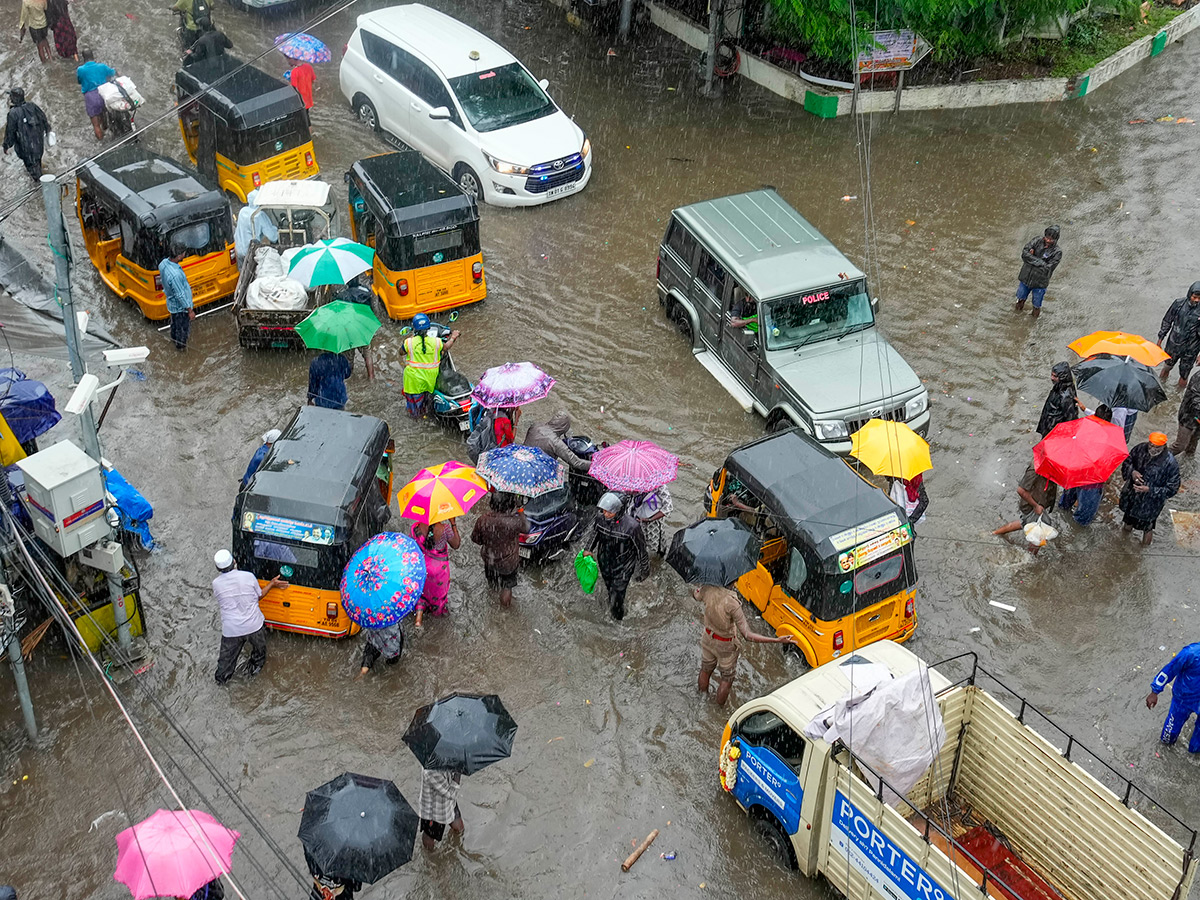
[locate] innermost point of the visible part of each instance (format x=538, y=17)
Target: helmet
x=611, y=502
x=1194, y=289
x=1052, y=232
x=420, y=323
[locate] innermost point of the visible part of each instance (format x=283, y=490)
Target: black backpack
x=202, y=15
x=482, y=436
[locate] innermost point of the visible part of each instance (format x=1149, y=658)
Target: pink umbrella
x=634, y=466
x=512, y=384
x=166, y=856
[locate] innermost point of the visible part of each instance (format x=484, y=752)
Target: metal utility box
x=64, y=496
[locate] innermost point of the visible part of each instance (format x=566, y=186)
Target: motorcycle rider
x=551, y=437
x=195, y=19
x=424, y=352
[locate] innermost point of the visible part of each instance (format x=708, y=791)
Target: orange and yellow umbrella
x=1119, y=343
x=441, y=492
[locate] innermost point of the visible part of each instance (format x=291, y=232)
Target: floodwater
x=614, y=740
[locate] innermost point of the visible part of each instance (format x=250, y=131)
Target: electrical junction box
x=106, y=556
x=64, y=496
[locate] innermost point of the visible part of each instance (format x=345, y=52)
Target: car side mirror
x=441, y=113
x=544, y=84
x=874, y=304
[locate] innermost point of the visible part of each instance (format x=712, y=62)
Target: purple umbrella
x=634, y=466
x=303, y=47
x=383, y=580
x=512, y=384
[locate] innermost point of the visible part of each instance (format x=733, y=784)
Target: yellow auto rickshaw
x=425, y=232
x=135, y=207
x=321, y=493
x=836, y=570
x=241, y=126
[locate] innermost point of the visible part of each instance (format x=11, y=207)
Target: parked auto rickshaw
x=836, y=569
x=249, y=129
x=320, y=494
x=425, y=232
x=135, y=207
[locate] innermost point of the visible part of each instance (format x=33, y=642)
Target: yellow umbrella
x=1119, y=343
x=890, y=448
x=441, y=492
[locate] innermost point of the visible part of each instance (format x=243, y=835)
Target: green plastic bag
x=587, y=571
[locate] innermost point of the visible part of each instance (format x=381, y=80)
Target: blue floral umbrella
x=303, y=47
x=517, y=469
x=383, y=580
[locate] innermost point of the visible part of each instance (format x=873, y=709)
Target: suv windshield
x=817, y=315
x=500, y=97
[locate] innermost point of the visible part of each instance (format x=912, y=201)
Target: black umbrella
x=714, y=551
x=461, y=733
x=358, y=828
x=1119, y=381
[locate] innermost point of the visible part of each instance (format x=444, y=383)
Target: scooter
x=453, y=403
x=561, y=516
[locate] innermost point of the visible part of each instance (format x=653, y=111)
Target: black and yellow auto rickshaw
x=135, y=207
x=425, y=232
x=321, y=493
x=246, y=130
x=836, y=570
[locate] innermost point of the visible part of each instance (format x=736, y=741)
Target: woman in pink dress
x=437, y=541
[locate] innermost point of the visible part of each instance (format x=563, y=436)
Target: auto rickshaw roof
x=811, y=492
x=157, y=189
x=319, y=467
x=411, y=194
x=246, y=98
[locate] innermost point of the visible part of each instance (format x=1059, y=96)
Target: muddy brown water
x=613, y=739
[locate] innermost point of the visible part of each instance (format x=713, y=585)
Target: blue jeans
x=1085, y=500
x=1177, y=715
x=1024, y=290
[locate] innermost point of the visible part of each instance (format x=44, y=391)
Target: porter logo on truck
x=889, y=869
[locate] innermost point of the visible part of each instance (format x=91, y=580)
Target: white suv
x=466, y=103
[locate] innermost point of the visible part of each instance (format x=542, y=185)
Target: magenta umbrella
x=512, y=384
x=168, y=856
x=634, y=466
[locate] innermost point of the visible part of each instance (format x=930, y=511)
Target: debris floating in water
x=1003, y=606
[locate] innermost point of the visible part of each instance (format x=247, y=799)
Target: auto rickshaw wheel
x=365, y=110
x=468, y=181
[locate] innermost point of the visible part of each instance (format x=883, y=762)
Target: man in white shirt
x=237, y=596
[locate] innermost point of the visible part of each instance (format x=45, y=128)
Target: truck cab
x=783, y=320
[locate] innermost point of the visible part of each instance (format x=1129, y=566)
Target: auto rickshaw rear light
x=157, y=282
x=477, y=272
x=908, y=608
x=837, y=640
x=308, y=160
x=402, y=287
x=256, y=179
x=331, y=611
x=232, y=255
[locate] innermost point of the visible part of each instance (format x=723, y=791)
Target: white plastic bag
x=1039, y=532
x=51, y=138
x=114, y=99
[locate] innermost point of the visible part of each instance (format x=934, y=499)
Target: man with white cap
x=620, y=546
x=237, y=594
x=260, y=454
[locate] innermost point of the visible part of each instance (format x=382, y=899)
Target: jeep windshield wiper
x=855, y=328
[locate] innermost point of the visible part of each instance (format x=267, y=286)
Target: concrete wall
x=829, y=102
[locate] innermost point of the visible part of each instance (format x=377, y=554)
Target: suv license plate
x=562, y=189
x=279, y=343
x=525, y=552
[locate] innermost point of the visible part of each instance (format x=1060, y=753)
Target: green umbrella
x=338, y=326
x=333, y=261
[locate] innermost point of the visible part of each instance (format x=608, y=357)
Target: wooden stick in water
x=633, y=857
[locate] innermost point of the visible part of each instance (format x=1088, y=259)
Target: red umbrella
x=1081, y=452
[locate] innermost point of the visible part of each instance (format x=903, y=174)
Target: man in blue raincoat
x=1184, y=670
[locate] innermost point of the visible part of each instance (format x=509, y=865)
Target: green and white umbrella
x=333, y=261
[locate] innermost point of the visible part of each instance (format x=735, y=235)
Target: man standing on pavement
x=237, y=595
x=1151, y=479
x=620, y=546
x=439, y=805
x=724, y=622
x=1188, y=418
x=26, y=130
x=1035, y=494
x=1184, y=670
x=90, y=76
x=179, y=296
x=1181, y=328
x=498, y=534
x=1039, y=258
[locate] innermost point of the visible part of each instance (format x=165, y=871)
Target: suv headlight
x=831, y=430
x=505, y=168
x=916, y=405
x=586, y=149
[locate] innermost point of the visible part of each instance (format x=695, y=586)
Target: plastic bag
x=587, y=571
x=1039, y=532
x=51, y=138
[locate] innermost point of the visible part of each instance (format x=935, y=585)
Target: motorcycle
x=561, y=516
x=453, y=404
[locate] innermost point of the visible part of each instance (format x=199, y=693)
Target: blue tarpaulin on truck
x=27, y=405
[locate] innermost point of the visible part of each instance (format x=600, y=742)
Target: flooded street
x=614, y=740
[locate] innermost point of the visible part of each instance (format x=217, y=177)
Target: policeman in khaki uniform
x=724, y=622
